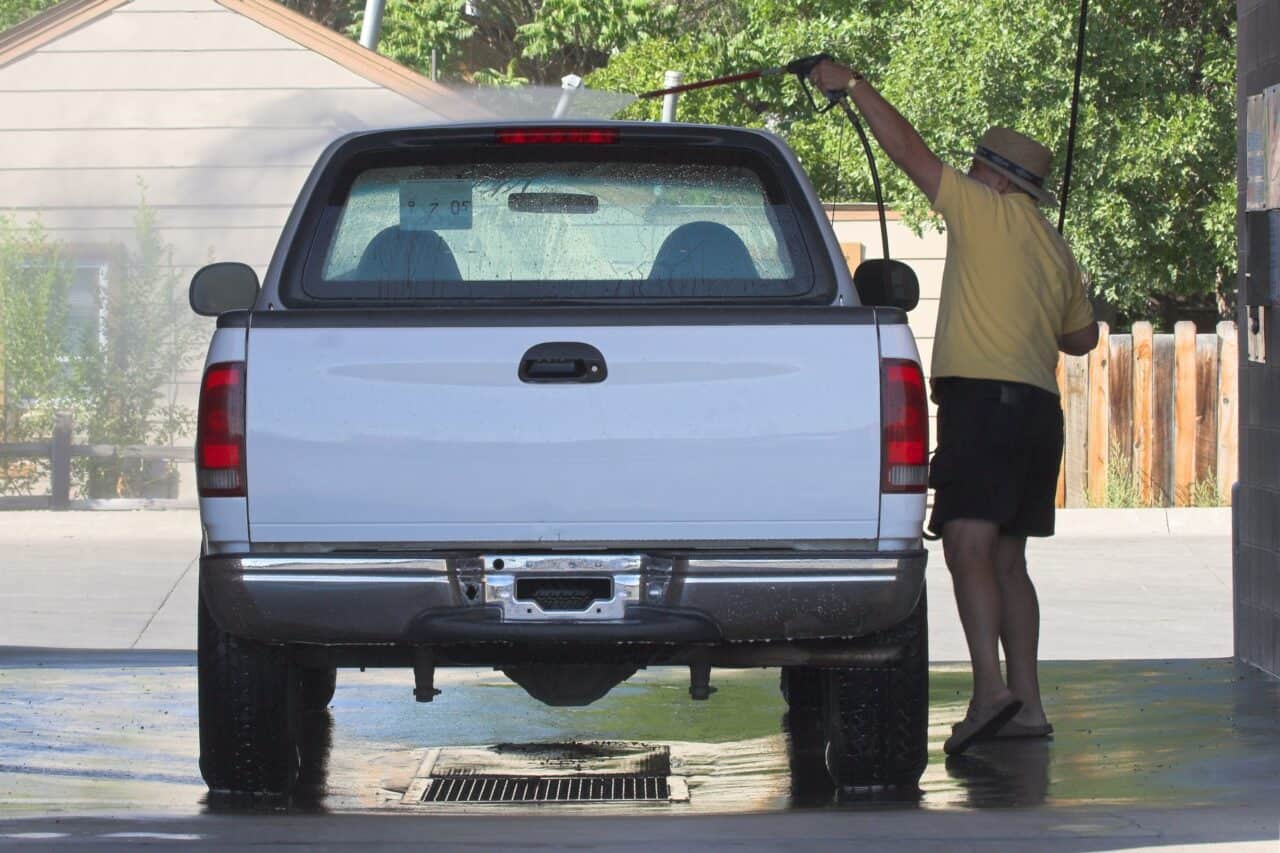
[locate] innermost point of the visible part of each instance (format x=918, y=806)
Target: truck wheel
x=317, y=688
x=806, y=739
x=249, y=698
x=802, y=687
x=877, y=717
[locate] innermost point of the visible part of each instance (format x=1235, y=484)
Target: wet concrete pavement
x=100, y=749
x=1160, y=740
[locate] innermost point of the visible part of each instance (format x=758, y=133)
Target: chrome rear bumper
x=647, y=598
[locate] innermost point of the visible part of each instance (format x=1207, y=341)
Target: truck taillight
x=220, y=432
x=557, y=136
x=904, y=422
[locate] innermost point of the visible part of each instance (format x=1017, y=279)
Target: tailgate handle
x=563, y=362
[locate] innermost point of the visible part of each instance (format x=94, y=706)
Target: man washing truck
x=1012, y=298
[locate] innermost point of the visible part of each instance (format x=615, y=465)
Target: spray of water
x=542, y=102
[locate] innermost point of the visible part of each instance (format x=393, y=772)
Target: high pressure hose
x=1075, y=108
x=801, y=68
x=875, y=173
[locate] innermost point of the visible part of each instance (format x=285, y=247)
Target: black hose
x=875, y=177
x=1075, y=109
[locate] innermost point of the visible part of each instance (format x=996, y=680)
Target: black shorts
x=999, y=448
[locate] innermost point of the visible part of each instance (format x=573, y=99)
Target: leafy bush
x=1204, y=493
x=1124, y=486
x=35, y=352
x=150, y=336
x=117, y=381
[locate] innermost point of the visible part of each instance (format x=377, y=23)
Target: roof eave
x=70, y=15
x=54, y=22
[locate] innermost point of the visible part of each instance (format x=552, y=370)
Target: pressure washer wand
x=715, y=81
x=800, y=67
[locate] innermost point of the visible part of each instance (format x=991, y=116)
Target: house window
x=87, y=301
x=85, y=276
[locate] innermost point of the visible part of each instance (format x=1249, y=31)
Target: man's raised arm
x=894, y=133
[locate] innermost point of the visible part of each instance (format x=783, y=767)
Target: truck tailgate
x=701, y=433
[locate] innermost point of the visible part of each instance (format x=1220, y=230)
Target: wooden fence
x=60, y=451
x=1151, y=419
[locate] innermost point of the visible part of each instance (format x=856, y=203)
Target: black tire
x=249, y=702
x=317, y=688
x=806, y=738
x=876, y=718
x=802, y=690
x=802, y=687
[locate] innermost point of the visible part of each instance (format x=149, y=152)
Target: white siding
x=71, y=187
x=166, y=149
x=215, y=117
x=194, y=216
x=192, y=247
x=926, y=254
x=340, y=108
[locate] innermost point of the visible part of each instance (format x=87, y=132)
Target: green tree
x=411, y=29
x=1152, y=209
x=581, y=35
x=510, y=42
x=752, y=34
x=334, y=14
x=14, y=12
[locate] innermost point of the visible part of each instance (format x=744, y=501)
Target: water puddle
x=115, y=737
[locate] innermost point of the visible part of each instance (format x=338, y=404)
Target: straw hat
x=1019, y=158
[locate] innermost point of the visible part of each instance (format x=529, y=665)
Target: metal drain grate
x=598, y=772
x=547, y=789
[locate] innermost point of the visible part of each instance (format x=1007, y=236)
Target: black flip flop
x=965, y=732
x=1014, y=730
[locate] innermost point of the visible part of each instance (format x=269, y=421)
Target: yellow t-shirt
x=1010, y=288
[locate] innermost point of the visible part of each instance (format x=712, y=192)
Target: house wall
x=214, y=117
x=1257, y=507
x=218, y=117
x=857, y=225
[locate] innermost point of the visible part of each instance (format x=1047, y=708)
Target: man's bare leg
x=1020, y=627
x=970, y=549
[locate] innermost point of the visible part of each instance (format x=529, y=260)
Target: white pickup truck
x=568, y=401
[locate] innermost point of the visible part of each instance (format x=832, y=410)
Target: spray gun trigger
x=802, y=68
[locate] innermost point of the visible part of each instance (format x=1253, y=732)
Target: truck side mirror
x=887, y=283
x=222, y=287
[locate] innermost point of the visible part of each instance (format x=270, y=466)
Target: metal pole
x=434, y=75
x=372, y=28
x=60, y=457
x=671, y=78
x=569, y=86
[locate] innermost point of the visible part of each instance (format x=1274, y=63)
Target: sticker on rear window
x=435, y=205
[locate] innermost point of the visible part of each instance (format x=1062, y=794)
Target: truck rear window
x=595, y=228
